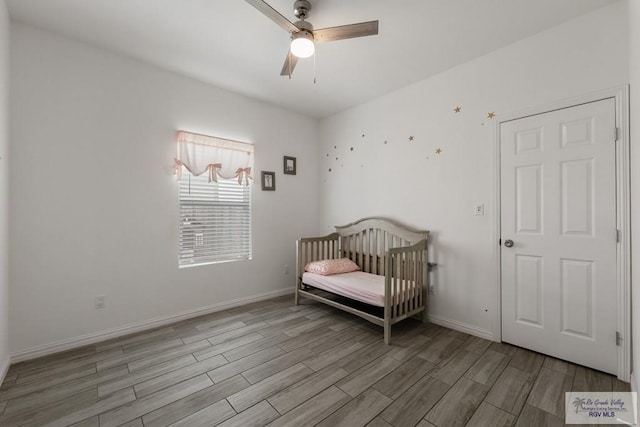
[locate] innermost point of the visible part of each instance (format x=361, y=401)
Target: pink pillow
x=328, y=267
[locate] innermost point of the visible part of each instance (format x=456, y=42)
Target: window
x=214, y=199
x=215, y=220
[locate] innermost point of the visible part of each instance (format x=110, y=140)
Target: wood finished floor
x=272, y=363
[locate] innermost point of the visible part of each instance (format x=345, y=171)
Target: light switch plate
x=99, y=301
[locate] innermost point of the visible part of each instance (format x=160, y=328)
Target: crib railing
x=311, y=249
x=405, y=285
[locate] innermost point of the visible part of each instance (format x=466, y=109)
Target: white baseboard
x=4, y=368
x=71, y=343
x=462, y=327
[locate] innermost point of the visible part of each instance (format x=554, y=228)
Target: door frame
x=620, y=94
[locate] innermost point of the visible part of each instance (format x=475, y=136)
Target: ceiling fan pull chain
x=314, y=68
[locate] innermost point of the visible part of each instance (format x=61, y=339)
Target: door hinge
x=499, y=242
x=616, y=134
x=618, y=236
x=618, y=338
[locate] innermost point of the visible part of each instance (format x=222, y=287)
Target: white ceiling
x=231, y=45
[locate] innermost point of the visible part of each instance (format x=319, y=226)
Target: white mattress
x=364, y=287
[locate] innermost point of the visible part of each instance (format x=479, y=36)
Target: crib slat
x=370, y=251
x=359, y=240
x=392, y=242
x=403, y=279
x=419, y=279
x=401, y=284
x=401, y=287
x=394, y=294
x=366, y=246
x=406, y=277
x=359, y=251
x=383, y=252
x=414, y=280
x=416, y=283
x=345, y=247
x=352, y=248
x=375, y=251
x=422, y=296
x=363, y=251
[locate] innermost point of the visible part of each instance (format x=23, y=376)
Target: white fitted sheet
x=363, y=287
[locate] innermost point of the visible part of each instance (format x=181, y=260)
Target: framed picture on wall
x=268, y=181
x=289, y=165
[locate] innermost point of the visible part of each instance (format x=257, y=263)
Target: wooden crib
x=380, y=247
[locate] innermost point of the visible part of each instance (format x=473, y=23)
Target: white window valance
x=217, y=156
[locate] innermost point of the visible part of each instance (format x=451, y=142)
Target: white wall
x=388, y=175
x=4, y=189
x=634, y=77
x=94, y=202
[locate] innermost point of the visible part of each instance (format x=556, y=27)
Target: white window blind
x=215, y=220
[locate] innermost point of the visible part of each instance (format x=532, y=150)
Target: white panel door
x=558, y=229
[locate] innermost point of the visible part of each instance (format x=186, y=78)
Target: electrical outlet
x=478, y=209
x=99, y=301
x=285, y=269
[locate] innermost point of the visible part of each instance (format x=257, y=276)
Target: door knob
x=508, y=243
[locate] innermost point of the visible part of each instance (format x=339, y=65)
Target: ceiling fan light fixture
x=303, y=35
x=302, y=44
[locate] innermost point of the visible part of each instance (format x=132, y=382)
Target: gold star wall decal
x=457, y=109
x=411, y=138
x=438, y=150
x=491, y=115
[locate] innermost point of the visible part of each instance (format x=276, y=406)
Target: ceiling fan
x=304, y=37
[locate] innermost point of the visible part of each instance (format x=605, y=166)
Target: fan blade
x=289, y=64
x=346, y=32
x=274, y=15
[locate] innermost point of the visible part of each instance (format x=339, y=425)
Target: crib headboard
x=367, y=241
